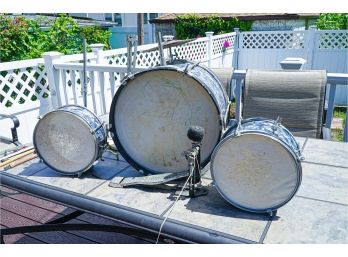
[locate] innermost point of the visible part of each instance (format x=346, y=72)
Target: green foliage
x=192, y=26
x=22, y=38
x=332, y=21
x=64, y=36
x=14, y=38
x=38, y=40
x=94, y=34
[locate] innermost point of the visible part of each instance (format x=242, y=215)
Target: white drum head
x=254, y=172
x=65, y=142
x=153, y=113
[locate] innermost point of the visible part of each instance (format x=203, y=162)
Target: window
x=153, y=15
x=108, y=16
x=145, y=18
x=118, y=19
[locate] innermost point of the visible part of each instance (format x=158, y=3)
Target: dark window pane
x=108, y=16
x=118, y=19
x=145, y=18
x=153, y=15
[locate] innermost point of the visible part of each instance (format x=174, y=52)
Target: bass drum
x=257, y=167
x=152, y=111
x=70, y=139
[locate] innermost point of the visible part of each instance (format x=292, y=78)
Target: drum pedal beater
x=193, y=157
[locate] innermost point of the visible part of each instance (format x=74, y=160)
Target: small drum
x=257, y=166
x=70, y=139
x=152, y=111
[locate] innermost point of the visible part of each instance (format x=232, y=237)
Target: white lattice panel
x=333, y=40
x=218, y=44
x=120, y=59
x=18, y=86
x=148, y=59
x=273, y=40
x=193, y=51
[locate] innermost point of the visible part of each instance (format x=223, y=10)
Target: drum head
x=65, y=142
x=152, y=114
x=255, y=172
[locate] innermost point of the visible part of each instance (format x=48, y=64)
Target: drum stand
x=193, y=157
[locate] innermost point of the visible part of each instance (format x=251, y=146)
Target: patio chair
x=295, y=96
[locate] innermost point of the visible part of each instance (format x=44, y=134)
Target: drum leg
x=272, y=213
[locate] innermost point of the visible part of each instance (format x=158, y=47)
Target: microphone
x=195, y=134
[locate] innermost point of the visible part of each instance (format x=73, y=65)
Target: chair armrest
x=15, y=126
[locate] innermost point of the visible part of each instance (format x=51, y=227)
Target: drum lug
x=237, y=131
x=278, y=121
x=189, y=67
x=277, y=124
x=93, y=131
x=130, y=76
x=125, y=79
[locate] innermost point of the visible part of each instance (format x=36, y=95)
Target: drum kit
x=255, y=163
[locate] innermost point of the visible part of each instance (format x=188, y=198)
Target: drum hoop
x=264, y=120
x=206, y=69
x=96, y=153
x=112, y=128
x=219, y=82
x=222, y=117
x=297, y=165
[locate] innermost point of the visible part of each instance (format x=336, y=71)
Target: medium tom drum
x=70, y=139
x=257, y=167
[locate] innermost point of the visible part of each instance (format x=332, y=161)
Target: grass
x=337, y=134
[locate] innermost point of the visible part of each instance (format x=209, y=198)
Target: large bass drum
x=70, y=139
x=152, y=111
x=257, y=167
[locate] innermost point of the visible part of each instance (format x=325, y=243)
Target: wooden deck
x=317, y=213
x=19, y=209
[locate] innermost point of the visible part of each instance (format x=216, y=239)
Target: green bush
x=22, y=38
x=64, y=36
x=192, y=26
x=332, y=21
x=14, y=38
x=94, y=34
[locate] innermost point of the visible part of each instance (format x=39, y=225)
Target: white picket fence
x=30, y=88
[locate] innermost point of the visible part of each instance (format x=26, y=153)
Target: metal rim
x=226, y=134
x=96, y=152
x=114, y=135
x=289, y=150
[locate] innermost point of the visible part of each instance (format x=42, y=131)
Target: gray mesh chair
x=295, y=96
